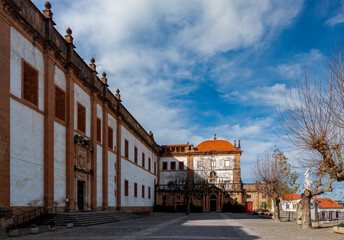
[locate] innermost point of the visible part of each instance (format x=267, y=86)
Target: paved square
x=194, y=226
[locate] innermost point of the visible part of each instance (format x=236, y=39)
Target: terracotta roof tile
x=327, y=203
x=292, y=196
x=215, y=145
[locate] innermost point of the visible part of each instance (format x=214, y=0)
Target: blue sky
x=189, y=69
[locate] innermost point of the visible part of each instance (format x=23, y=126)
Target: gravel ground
x=180, y=226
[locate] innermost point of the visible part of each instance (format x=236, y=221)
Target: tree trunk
x=276, y=209
x=306, y=197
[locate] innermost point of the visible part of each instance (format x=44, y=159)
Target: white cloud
x=267, y=95
x=338, y=18
x=150, y=50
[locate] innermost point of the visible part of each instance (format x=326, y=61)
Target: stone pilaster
x=49, y=114
x=5, y=48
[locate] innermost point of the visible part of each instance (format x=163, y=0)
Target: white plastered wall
x=22, y=49
x=60, y=149
x=27, y=156
x=111, y=179
x=100, y=162
x=175, y=175
x=99, y=176
x=80, y=96
x=134, y=173
x=26, y=128
x=59, y=164
x=111, y=164
x=223, y=173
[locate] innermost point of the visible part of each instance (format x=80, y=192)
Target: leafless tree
x=276, y=177
x=313, y=120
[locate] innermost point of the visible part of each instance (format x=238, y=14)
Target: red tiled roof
x=215, y=145
x=175, y=145
x=327, y=203
x=292, y=196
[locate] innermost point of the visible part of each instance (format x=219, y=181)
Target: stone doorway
x=80, y=200
x=212, y=205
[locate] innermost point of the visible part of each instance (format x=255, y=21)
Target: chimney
x=239, y=145
x=215, y=136
x=235, y=143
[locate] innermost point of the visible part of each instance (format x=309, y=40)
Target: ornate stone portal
x=83, y=172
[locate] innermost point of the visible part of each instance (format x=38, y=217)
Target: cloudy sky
x=188, y=69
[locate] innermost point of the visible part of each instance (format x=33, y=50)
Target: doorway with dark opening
x=81, y=185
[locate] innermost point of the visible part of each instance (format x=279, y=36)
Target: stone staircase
x=83, y=219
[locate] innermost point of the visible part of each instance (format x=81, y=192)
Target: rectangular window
x=81, y=118
x=173, y=165
x=135, y=155
x=110, y=138
x=99, y=130
x=287, y=205
x=143, y=191
x=199, y=164
x=264, y=196
x=212, y=181
x=226, y=185
x=60, y=104
x=248, y=196
x=143, y=160
x=181, y=165
x=227, y=163
x=149, y=164
x=294, y=205
x=30, y=84
x=154, y=167
x=149, y=193
x=164, y=166
x=126, y=148
x=135, y=189
x=126, y=188
x=213, y=163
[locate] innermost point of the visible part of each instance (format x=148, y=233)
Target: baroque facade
x=209, y=173
x=68, y=143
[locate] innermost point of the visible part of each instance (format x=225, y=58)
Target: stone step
x=80, y=219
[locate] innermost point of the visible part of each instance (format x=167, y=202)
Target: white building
x=65, y=139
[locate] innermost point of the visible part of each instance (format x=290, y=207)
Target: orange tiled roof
x=215, y=145
x=327, y=203
x=292, y=196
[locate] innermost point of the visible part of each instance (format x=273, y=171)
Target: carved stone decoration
x=83, y=153
x=81, y=158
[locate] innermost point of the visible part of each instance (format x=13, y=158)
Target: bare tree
x=276, y=177
x=313, y=120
